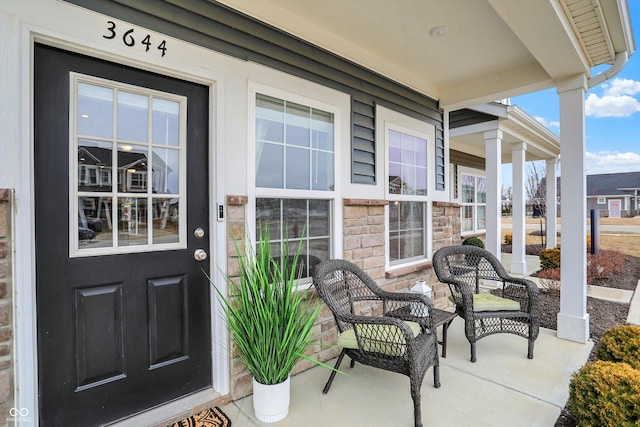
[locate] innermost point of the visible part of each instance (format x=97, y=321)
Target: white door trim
x=619, y=201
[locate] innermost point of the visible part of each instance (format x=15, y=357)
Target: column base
x=573, y=328
x=519, y=267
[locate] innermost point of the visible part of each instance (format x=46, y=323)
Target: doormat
x=212, y=417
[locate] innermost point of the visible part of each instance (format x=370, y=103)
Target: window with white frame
x=473, y=198
x=295, y=182
x=407, y=195
x=602, y=201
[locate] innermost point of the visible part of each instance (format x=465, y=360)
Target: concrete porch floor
x=503, y=388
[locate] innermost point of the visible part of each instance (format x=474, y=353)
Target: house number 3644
x=129, y=38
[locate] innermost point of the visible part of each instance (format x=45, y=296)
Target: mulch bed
x=602, y=314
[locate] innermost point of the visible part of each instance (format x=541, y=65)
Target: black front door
x=121, y=206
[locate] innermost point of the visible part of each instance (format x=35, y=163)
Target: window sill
x=414, y=268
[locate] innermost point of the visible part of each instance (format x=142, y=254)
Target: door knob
x=200, y=255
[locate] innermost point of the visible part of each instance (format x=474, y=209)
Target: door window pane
x=94, y=165
x=166, y=224
x=94, y=222
x=132, y=168
x=133, y=116
x=165, y=178
x=94, y=111
x=166, y=122
x=132, y=221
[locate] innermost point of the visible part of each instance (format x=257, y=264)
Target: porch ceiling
x=491, y=49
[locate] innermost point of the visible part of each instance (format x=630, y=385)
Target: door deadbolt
x=198, y=232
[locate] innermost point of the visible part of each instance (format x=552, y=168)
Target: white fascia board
x=472, y=129
x=492, y=108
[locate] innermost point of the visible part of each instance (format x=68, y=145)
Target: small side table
x=444, y=318
x=440, y=317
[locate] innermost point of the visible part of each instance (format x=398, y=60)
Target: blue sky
x=612, y=115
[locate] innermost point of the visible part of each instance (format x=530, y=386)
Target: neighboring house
x=328, y=117
x=614, y=194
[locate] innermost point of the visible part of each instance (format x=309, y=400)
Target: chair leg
x=352, y=364
x=473, y=352
x=327, y=386
x=436, y=376
x=415, y=395
x=530, y=353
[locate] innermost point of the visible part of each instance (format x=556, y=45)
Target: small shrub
x=620, y=344
x=550, y=258
x=508, y=239
x=550, y=280
x=606, y=394
x=473, y=241
x=603, y=264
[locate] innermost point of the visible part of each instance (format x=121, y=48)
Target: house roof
x=516, y=126
x=462, y=52
x=611, y=184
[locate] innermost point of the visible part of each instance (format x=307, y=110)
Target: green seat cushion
x=373, y=338
x=490, y=302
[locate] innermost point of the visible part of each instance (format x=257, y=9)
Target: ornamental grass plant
x=268, y=318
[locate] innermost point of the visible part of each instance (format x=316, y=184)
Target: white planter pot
x=271, y=402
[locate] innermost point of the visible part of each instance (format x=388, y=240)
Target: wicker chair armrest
x=513, y=288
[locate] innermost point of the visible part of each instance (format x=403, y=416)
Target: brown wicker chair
x=402, y=339
x=462, y=268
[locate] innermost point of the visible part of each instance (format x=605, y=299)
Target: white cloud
x=612, y=162
x=619, y=87
x=547, y=123
x=611, y=106
x=617, y=99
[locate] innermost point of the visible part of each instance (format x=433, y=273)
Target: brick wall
x=364, y=244
x=6, y=315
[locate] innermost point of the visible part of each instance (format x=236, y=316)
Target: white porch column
x=573, y=319
x=551, y=203
x=518, y=252
x=493, y=167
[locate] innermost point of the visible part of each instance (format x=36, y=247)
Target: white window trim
x=323, y=99
x=387, y=119
x=477, y=173
x=602, y=200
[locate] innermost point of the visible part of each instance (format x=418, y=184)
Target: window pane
x=298, y=130
x=318, y=218
x=322, y=171
x=270, y=163
x=297, y=168
x=468, y=189
x=132, y=168
x=467, y=218
x=482, y=217
x=166, y=122
x=269, y=119
x=166, y=171
x=303, y=220
x=95, y=110
x=407, y=164
x=406, y=231
x=132, y=217
x=166, y=220
x=322, y=125
x=268, y=214
x=482, y=189
x=133, y=117
x=94, y=222
x=94, y=165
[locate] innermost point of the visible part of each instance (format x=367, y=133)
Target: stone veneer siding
x=6, y=313
x=365, y=245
